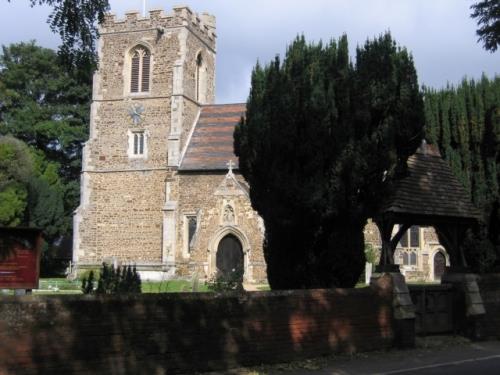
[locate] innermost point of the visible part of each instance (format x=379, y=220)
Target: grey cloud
x=440, y=33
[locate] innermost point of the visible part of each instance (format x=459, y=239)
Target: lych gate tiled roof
x=430, y=189
x=211, y=144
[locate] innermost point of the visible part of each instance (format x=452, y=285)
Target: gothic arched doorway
x=229, y=258
x=439, y=265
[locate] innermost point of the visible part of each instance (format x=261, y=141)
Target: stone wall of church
x=198, y=196
x=109, y=147
x=123, y=219
x=425, y=252
x=123, y=195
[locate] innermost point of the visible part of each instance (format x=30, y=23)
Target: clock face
x=135, y=111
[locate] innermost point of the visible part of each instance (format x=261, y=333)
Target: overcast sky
x=439, y=33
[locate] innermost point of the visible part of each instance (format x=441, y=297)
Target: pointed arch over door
x=230, y=258
x=215, y=242
x=439, y=265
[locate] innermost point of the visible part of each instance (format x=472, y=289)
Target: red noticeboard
x=19, y=258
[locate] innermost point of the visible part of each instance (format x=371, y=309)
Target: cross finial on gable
x=230, y=166
x=144, y=8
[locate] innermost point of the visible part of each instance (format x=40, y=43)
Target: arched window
x=414, y=236
x=140, y=69
x=411, y=239
x=413, y=258
x=405, y=258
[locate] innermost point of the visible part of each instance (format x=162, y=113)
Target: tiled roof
x=430, y=189
x=211, y=144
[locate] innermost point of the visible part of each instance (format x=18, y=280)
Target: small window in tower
x=199, y=66
x=140, y=70
x=138, y=143
x=137, y=146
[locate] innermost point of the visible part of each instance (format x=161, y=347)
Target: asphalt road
x=479, y=366
x=437, y=356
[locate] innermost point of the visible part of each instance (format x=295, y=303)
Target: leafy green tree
x=76, y=23
x=464, y=121
x=47, y=108
x=320, y=143
x=16, y=168
x=487, y=14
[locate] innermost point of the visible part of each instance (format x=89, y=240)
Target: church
x=160, y=186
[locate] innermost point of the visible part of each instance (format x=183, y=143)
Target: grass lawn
x=59, y=283
x=65, y=286
x=171, y=286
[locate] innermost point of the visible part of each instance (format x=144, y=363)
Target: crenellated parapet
x=203, y=25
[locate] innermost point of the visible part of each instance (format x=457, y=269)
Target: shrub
x=119, y=280
x=224, y=283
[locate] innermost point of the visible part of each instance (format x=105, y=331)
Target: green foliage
x=320, y=144
x=481, y=253
x=113, y=280
x=464, y=121
x=172, y=286
x=12, y=205
x=88, y=284
x=16, y=167
x=225, y=283
x=44, y=113
x=372, y=255
x=487, y=14
x=76, y=23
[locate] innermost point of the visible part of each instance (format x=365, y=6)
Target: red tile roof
x=211, y=144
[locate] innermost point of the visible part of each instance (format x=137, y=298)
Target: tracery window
x=408, y=257
x=409, y=244
x=140, y=70
x=414, y=237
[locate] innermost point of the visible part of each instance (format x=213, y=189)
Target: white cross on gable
x=144, y=8
x=230, y=166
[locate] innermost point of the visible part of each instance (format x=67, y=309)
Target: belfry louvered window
x=140, y=70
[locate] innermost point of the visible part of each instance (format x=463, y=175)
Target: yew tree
x=320, y=144
x=464, y=121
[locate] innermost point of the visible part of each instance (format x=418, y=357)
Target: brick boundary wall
x=489, y=286
x=176, y=333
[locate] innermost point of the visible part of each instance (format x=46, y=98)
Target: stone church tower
x=159, y=186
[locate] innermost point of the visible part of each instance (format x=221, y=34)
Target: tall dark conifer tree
x=321, y=141
x=465, y=123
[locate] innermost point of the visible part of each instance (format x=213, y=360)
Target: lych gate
x=429, y=195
